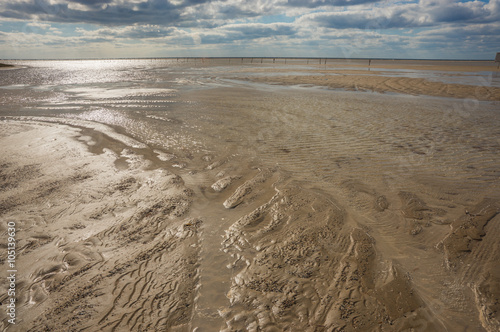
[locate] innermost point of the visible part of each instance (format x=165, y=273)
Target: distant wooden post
x=497, y=59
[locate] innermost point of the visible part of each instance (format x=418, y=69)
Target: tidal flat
x=251, y=195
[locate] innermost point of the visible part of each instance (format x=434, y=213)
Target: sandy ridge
x=376, y=83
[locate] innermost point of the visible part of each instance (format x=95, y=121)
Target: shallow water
x=347, y=149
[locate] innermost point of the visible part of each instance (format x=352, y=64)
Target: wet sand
x=377, y=83
x=94, y=243
x=305, y=210
x=4, y=66
x=391, y=76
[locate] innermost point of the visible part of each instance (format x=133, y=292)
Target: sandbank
x=378, y=82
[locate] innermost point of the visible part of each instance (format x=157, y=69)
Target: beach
x=250, y=195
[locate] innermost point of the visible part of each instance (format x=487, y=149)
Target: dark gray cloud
x=92, y=2
x=212, y=13
x=452, y=14
x=112, y=13
x=431, y=14
x=134, y=32
x=186, y=13
x=250, y=31
x=233, y=11
x=362, y=20
x=27, y=10
x=460, y=33
x=253, y=31
x=319, y=3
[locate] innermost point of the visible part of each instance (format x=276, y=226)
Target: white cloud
x=323, y=27
x=39, y=25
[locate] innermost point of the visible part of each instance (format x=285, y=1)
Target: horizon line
x=242, y=57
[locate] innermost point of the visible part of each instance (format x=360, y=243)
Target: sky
x=423, y=29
